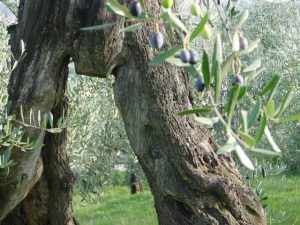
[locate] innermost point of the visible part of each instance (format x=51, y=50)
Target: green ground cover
x=116, y=206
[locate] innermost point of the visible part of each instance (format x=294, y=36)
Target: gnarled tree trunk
x=190, y=183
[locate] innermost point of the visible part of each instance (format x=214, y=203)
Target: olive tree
x=190, y=182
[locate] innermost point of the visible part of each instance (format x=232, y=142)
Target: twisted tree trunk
x=190, y=183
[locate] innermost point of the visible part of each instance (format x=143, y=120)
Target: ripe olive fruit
x=157, y=40
x=185, y=56
x=243, y=43
x=239, y=80
x=199, y=85
x=194, y=57
x=135, y=8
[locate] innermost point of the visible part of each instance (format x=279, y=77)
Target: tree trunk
x=190, y=183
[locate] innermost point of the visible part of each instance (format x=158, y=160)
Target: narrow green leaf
x=55, y=130
x=219, y=50
x=235, y=42
x=265, y=152
x=22, y=114
x=253, y=115
x=177, y=22
x=216, y=70
x=261, y=129
x=194, y=111
x=253, y=66
x=177, y=62
x=287, y=100
x=271, y=140
x=192, y=71
x=205, y=69
x=132, y=28
x=253, y=74
x=291, y=118
x=50, y=119
x=39, y=118
x=199, y=27
x=232, y=102
x=207, y=121
x=245, y=160
x=245, y=121
x=271, y=86
x=218, y=82
x=250, y=141
x=270, y=108
x=243, y=18
x=164, y=55
x=118, y=8
x=99, y=27
x=225, y=149
x=6, y=155
x=227, y=65
x=243, y=91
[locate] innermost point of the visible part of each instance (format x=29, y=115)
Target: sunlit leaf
x=164, y=55
x=194, y=111
x=208, y=121
x=177, y=62
x=270, y=108
x=199, y=28
x=265, y=152
x=235, y=42
x=245, y=120
x=118, y=8
x=271, y=140
x=254, y=66
x=243, y=18
x=250, y=141
x=245, y=160
x=177, y=22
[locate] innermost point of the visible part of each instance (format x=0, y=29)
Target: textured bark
x=190, y=183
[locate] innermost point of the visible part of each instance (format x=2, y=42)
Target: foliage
x=97, y=140
x=230, y=59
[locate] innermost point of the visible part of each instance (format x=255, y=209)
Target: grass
x=283, y=200
x=118, y=207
